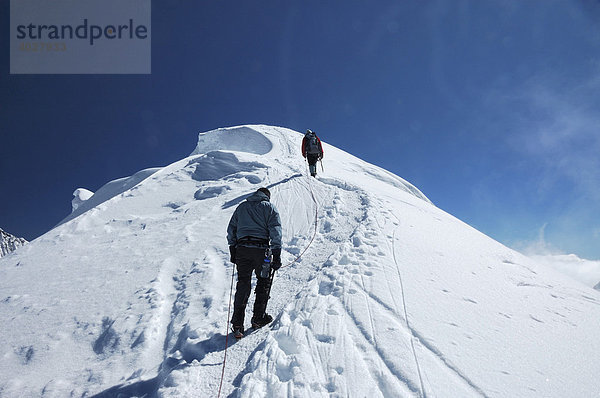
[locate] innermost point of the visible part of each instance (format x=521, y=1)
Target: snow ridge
x=391, y=296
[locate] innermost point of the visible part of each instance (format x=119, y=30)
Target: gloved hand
x=232, y=254
x=276, y=262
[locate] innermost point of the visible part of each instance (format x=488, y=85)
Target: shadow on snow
x=240, y=199
x=190, y=352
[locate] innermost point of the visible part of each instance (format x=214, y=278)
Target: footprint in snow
x=344, y=260
x=307, y=323
x=323, y=338
x=325, y=288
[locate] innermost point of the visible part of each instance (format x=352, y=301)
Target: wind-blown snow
x=585, y=271
x=241, y=139
x=83, y=201
x=80, y=195
x=394, y=297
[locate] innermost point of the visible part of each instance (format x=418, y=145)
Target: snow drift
x=393, y=297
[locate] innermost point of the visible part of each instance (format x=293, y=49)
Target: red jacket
x=304, y=147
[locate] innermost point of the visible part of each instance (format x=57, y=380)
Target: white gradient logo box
x=80, y=36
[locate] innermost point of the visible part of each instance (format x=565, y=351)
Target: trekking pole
x=321, y=161
x=226, y=333
x=272, y=275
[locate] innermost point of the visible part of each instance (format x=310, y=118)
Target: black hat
x=265, y=191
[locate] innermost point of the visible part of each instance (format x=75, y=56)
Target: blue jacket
x=255, y=217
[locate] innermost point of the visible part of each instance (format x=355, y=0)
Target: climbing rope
x=226, y=332
x=316, y=225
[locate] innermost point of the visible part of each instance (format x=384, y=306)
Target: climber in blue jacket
x=253, y=231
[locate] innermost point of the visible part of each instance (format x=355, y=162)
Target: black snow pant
x=249, y=259
x=312, y=162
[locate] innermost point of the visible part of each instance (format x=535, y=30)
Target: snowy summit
x=390, y=295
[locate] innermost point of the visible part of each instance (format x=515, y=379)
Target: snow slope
x=392, y=297
x=9, y=243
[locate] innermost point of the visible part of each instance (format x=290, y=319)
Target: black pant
x=312, y=163
x=249, y=259
x=312, y=158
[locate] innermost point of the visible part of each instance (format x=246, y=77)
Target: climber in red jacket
x=312, y=150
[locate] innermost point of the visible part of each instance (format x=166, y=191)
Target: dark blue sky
x=491, y=108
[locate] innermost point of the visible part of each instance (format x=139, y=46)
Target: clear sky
x=491, y=108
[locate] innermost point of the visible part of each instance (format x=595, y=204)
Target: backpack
x=312, y=144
